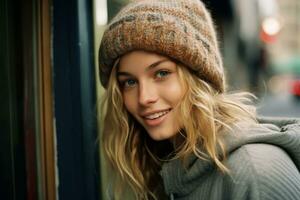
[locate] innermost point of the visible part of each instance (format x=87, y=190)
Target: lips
x=155, y=118
x=156, y=115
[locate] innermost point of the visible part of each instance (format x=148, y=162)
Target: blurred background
x=261, y=47
x=49, y=145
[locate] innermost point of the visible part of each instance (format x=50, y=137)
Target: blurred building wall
x=288, y=41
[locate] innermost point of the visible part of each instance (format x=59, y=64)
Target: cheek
x=174, y=92
x=129, y=102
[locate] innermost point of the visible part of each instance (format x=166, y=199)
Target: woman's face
x=151, y=91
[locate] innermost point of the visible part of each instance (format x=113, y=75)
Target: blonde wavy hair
x=137, y=160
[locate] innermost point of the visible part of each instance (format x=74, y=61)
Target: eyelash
x=123, y=83
x=164, y=76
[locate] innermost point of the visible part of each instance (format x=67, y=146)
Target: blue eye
x=162, y=74
x=129, y=83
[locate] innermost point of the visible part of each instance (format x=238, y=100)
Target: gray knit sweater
x=264, y=163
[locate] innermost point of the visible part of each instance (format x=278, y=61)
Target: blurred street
x=280, y=105
x=261, y=49
x=279, y=99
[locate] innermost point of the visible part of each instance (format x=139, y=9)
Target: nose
x=148, y=94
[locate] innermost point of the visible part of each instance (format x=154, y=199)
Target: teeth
x=156, y=115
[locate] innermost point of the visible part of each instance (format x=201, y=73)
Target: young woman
x=171, y=130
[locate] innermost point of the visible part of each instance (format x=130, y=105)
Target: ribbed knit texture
x=264, y=164
x=180, y=29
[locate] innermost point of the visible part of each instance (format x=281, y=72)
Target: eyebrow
x=153, y=65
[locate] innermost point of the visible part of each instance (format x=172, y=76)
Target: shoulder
x=265, y=171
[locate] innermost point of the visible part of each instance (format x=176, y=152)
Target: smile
x=155, y=119
x=157, y=115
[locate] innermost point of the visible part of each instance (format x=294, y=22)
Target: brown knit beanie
x=180, y=29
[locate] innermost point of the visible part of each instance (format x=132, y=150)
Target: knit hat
x=180, y=29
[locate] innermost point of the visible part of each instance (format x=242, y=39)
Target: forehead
x=140, y=59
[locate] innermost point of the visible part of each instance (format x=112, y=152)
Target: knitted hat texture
x=180, y=29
